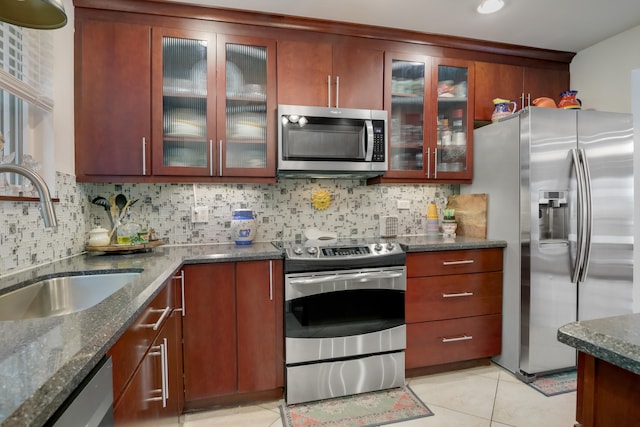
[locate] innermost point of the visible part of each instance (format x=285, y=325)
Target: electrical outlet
x=403, y=204
x=200, y=214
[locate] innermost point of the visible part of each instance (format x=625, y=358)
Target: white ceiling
x=566, y=25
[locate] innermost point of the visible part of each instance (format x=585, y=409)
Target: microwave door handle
x=368, y=140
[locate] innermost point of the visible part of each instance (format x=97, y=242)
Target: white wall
x=602, y=73
x=63, y=94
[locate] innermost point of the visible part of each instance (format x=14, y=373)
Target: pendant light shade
x=38, y=14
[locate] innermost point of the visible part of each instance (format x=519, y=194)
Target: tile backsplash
x=283, y=211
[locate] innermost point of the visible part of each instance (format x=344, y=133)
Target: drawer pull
x=461, y=294
x=464, y=261
x=164, y=315
x=462, y=338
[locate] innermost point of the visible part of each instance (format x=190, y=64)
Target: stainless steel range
x=344, y=318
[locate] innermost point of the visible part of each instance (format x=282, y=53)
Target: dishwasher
x=91, y=404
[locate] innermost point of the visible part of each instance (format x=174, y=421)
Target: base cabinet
x=607, y=394
x=147, y=366
x=453, y=306
x=232, y=332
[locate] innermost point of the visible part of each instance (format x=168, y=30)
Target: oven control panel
x=370, y=250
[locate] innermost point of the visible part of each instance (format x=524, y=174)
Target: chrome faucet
x=46, y=207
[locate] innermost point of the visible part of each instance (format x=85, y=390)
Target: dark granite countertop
x=613, y=339
x=43, y=360
x=428, y=243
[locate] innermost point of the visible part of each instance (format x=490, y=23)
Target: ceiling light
x=490, y=6
x=39, y=14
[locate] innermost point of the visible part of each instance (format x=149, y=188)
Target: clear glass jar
x=128, y=231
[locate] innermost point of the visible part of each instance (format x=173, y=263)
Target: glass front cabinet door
x=452, y=120
x=246, y=107
x=217, y=112
x=184, y=120
x=405, y=96
x=430, y=122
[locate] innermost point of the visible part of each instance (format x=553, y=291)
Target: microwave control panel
x=378, y=141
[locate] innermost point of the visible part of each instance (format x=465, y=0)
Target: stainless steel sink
x=61, y=295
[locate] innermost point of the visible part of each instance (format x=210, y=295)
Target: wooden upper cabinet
x=496, y=81
x=547, y=82
x=112, y=99
x=246, y=110
x=516, y=83
x=184, y=93
x=326, y=75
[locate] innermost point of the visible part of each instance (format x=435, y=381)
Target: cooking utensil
x=121, y=202
x=101, y=201
x=123, y=211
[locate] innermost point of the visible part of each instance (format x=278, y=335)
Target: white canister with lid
x=243, y=226
x=99, y=237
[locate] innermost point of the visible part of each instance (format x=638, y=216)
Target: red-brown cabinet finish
x=330, y=75
x=522, y=84
x=453, y=306
x=608, y=395
x=209, y=331
x=259, y=323
x=112, y=99
x=233, y=332
x=147, y=365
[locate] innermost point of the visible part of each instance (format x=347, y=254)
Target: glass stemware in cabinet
x=246, y=106
x=407, y=115
x=184, y=99
x=453, y=110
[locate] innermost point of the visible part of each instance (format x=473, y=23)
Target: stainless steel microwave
x=331, y=142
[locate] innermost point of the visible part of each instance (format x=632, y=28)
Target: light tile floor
x=486, y=396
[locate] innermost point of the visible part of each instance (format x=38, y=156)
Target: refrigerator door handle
x=588, y=220
x=579, y=170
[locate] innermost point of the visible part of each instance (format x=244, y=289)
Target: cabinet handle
x=461, y=294
x=329, y=91
x=211, y=157
x=144, y=155
x=156, y=350
x=164, y=315
x=435, y=163
x=464, y=261
x=165, y=371
x=462, y=338
x=182, y=305
x=161, y=350
x=337, y=91
x=270, y=280
x=429, y=162
x=220, y=156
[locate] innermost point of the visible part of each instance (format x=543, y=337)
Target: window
x=26, y=105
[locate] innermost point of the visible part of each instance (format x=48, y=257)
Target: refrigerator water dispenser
x=553, y=215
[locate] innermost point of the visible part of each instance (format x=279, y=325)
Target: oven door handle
x=348, y=276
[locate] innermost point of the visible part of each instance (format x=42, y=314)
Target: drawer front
x=446, y=341
x=455, y=296
x=453, y=262
x=129, y=350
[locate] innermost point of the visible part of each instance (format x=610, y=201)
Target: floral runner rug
x=360, y=410
x=550, y=385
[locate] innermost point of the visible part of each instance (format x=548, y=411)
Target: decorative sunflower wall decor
x=321, y=200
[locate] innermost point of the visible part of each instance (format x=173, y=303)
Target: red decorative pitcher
x=568, y=100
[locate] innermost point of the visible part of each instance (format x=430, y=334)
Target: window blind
x=26, y=64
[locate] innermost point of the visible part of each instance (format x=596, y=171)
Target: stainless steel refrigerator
x=560, y=192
